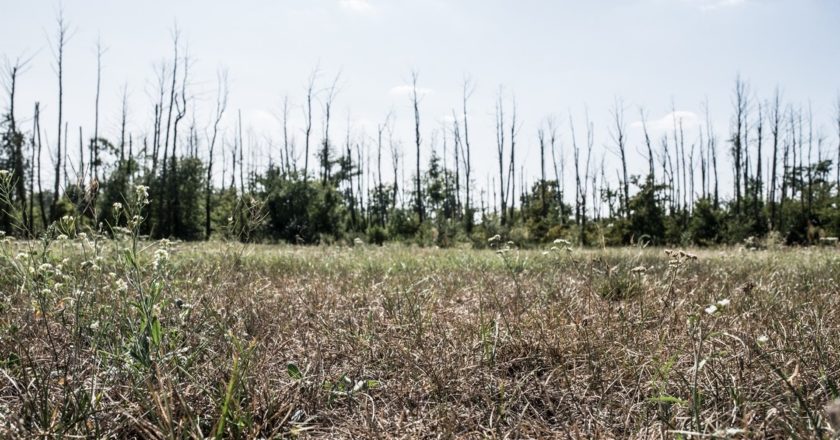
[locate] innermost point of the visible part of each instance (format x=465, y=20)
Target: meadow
x=126, y=338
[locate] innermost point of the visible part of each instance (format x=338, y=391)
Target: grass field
x=128, y=339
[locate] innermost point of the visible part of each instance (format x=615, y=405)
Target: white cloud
x=690, y=120
x=708, y=5
x=358, y=6
x=406, y=90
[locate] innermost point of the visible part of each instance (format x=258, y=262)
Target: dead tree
x=500, y=149
x=467, y=91
x=712, y=148
x=512, y=165
x=457, y=147
x=288, y=148
x=759, y=179
x=559, y=172
x=395, y=163
x=619, y=138
x=775, y=122
x=181, y=103
x=582, y=182
x=541, y=138
x=14, y=139
x=651, y=171
x=326, y=161
x=737, y=137
x=415, y=100
x=307, y=110
x=837, y=165
x=58, y=53
x=241, y=156
x=222, y=92
x=94, y=144
x=37, y=160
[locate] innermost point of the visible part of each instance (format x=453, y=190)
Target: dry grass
x=408, y=343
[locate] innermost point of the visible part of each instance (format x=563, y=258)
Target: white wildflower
x=711, y=309
x=46, y=267
x=161, y=257
x=117, y=207
x=724, y=302
x=142, y=193
x=762, y=339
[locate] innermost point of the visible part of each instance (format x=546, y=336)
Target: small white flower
x=711, y=309
x=117, y=206
x=161, y=257
x=61, y=237
x=762, y=339
x=94, y=325
x=724, y=302
x=122, y=286
x=46, y=267
x=4, y=174
x=142, y=193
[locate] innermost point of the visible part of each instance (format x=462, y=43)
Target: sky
x=556, y=58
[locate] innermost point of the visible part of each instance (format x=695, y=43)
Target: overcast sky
x=557, y=58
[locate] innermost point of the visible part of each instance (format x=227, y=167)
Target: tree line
x=784, y=187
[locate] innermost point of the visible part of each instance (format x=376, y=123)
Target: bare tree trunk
x=512, y=165
x=759, y=179
x=380, y=188
x=581, y=183
x=620, y=141
x=837, y=165
x=59, y=55
x=500, y=147
x=222, y=92
x=326, y=164
x=94, y=156
x=41, y=204
x=291, y=164
x=123, y=119
x=648, y=144
x=703, y=165
x=310, y=92
x=543, y=204
x=559, y=173
x=737, y=148
x=416, y=104
x=241, y=156
x=15, y=140
x=456, y=135
x=36, y=132
x=810, y=163
x=775, y=120
x=467, y=92
x=395, y=162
